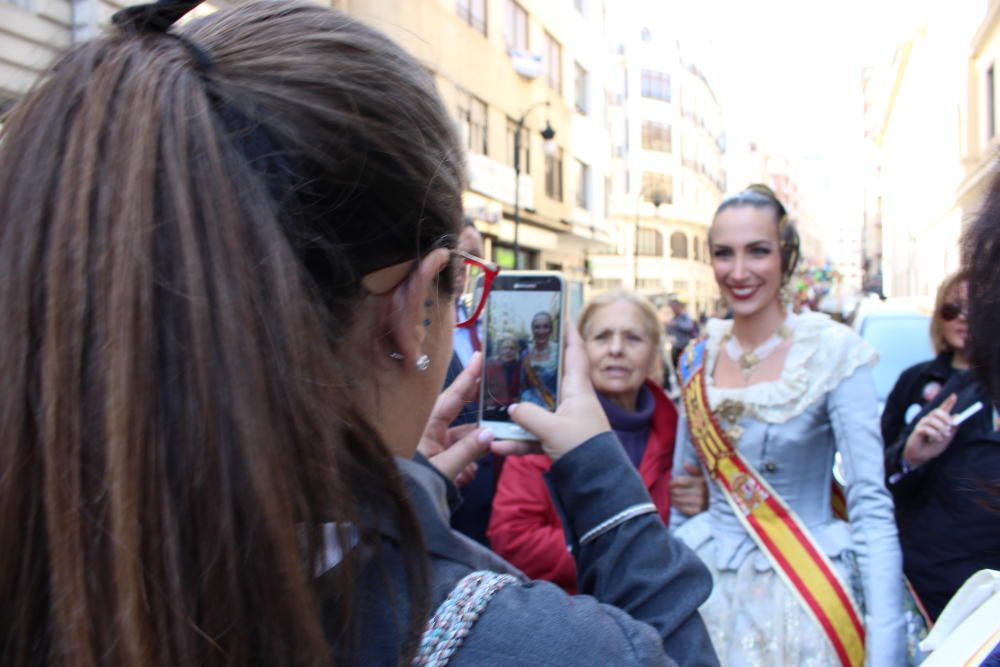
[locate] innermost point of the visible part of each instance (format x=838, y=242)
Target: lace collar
x=823, y=353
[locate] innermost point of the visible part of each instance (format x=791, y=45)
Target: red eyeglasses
x=476, y=276
x=473, y=280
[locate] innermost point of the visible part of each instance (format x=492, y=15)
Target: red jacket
x=524, y=527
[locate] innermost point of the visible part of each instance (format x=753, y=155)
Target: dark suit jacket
x=472, y=516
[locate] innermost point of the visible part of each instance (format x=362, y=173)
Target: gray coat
x=643, y=586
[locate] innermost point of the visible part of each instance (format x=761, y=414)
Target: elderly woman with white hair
x=622, y=337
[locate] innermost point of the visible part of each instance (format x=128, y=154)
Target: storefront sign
x=496, y=180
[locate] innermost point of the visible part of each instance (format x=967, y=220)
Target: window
x=516, y=30
x=472, y=122
x=553, y=63
x=656, y=136
x=553, y=175
x=649, y=283
x=678, y=245
x=646, y=35
x=472, y=12
x=582, y=185
x=581, y=87
x=658, y=187
x=991, y=127
x=607, y=283
x=578, y=5
x=503, y=255
x=656, y=85
x=696, y=246
x=524, y=164
x=649, y=243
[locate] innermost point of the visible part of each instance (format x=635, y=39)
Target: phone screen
x=522, y=344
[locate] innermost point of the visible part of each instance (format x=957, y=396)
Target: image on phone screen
x=522, y=344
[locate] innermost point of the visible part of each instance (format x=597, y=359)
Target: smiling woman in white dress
x=772, y=396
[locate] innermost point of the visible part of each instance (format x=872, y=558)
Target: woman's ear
x=412, y=306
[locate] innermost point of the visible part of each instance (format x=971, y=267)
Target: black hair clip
x=153, y=17
x=157, y=18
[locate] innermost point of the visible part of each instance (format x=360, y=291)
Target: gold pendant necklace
x=748, y=361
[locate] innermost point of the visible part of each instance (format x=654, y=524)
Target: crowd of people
x=230, y=254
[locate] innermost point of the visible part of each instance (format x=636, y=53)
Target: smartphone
x=522, y=348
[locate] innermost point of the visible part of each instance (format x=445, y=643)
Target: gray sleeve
x=641, y=587
x=853, y=413
x=539, y=624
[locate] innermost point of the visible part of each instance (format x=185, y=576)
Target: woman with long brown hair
x=226, y=286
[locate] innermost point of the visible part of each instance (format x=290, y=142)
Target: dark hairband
x=156, y=18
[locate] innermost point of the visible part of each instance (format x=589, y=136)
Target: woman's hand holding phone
x=578, y=418
x=454, y=450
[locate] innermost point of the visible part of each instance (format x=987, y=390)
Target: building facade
x=34, y=32
x=932, y=146
x=501, y=65
x=873, y=86
x=979, y=116
x=667, y=174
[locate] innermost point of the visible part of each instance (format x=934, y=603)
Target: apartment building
x=979, y=138
x=506, y=67
x=34, y=32
x=933, y=145
x=667, y=174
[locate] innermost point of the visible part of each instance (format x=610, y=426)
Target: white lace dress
x=789, y=430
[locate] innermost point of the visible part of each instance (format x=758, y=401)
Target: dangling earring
x=423, y=363
x=785, y=296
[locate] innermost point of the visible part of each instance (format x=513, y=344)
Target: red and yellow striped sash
x=775, y=528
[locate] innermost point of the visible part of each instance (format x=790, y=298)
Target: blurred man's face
x=471, y=241
x=677, y=307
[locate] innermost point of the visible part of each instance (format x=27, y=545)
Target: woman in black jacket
x=920, y=384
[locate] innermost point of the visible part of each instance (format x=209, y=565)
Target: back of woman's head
x=182, y=232
x=981, y=266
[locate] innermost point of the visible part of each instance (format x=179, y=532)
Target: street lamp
x=657, y=199
x=548, y=134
